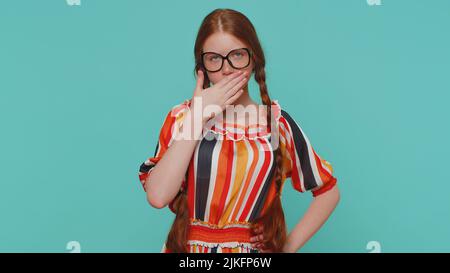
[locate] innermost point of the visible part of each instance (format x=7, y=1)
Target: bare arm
x=318, y=212
x=165, y=179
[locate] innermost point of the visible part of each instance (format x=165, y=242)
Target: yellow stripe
x=241, y=164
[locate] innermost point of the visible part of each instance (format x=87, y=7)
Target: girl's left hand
x=257, y=240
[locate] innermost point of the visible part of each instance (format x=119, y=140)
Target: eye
x=237, y=54
x=213, y=58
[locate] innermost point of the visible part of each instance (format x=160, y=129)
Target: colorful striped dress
x=230, y=180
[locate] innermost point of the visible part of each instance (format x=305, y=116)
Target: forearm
x=318, y=212
x=164, y=181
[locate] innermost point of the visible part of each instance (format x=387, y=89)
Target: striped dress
x=230, y=180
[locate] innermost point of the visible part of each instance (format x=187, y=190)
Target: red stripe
x=219, y=235
x=223, y=197
x=259, y=180
x=323, y=172
x=328, y=179
x=295, y=175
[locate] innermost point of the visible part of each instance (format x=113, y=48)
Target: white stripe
x=196, y=223
x=194, y=190
x=219, y=246
x=325, y=166
x=312, y=159
x=259, y=163
x=287, y=133
x=232, y=177
x=264, y=179
x=249, y=161
x=297, y=161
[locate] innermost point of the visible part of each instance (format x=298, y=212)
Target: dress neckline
x=239, y=130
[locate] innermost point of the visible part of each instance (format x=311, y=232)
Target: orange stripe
x=324, y=174
x=219, y=182
x=228, y=178
x=259, y=180
x=247, y=181
x=241, y=164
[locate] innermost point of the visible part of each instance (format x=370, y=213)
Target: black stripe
x=265, y=190
x=203, y=175
x=156, y=149
x=144, y=168
x=302, y=151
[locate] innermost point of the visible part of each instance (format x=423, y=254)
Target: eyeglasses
x=237, y=58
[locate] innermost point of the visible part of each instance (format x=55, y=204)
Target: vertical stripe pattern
x=230, y=179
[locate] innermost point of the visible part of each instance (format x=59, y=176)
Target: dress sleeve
x=307, y=170
x=167, y=133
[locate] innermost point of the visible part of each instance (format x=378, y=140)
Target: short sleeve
x=167, y=132
x=307, y=170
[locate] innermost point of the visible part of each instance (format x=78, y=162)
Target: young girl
x=224, y=181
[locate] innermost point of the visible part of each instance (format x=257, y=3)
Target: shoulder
x=177, y=111
x=290, y=126
x=179, y=108
x=285, y=120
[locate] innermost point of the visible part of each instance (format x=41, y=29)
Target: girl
x=225, y=185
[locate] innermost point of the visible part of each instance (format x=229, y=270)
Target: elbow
x=333, y=195
x=152, y=198
x=336, y=195
x=155, y=202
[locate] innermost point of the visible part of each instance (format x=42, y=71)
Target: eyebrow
x=203, y=51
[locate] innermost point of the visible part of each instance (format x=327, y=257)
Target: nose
x=227, y=69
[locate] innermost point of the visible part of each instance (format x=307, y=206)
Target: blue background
x=84, y=91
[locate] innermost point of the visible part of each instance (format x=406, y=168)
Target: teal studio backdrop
x=85, y=88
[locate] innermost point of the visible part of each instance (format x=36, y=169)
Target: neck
x=245, y=99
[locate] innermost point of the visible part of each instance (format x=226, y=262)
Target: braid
x=177, y=237
x=273, y=220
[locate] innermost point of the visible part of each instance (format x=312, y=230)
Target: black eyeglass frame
x=226, y=57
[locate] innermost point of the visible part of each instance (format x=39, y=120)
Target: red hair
x=273, y=222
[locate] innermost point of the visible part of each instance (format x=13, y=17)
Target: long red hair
x=273, y=222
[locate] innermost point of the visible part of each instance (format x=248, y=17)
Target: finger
x=235, y=81
x=228, y=78
x=258, y=229
x=264, y=249
x=257, y=238
x=236, y=88
x=257, y=226
x=234, y=97
x=199, y=85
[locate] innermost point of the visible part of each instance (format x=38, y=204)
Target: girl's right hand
x=223, y=93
